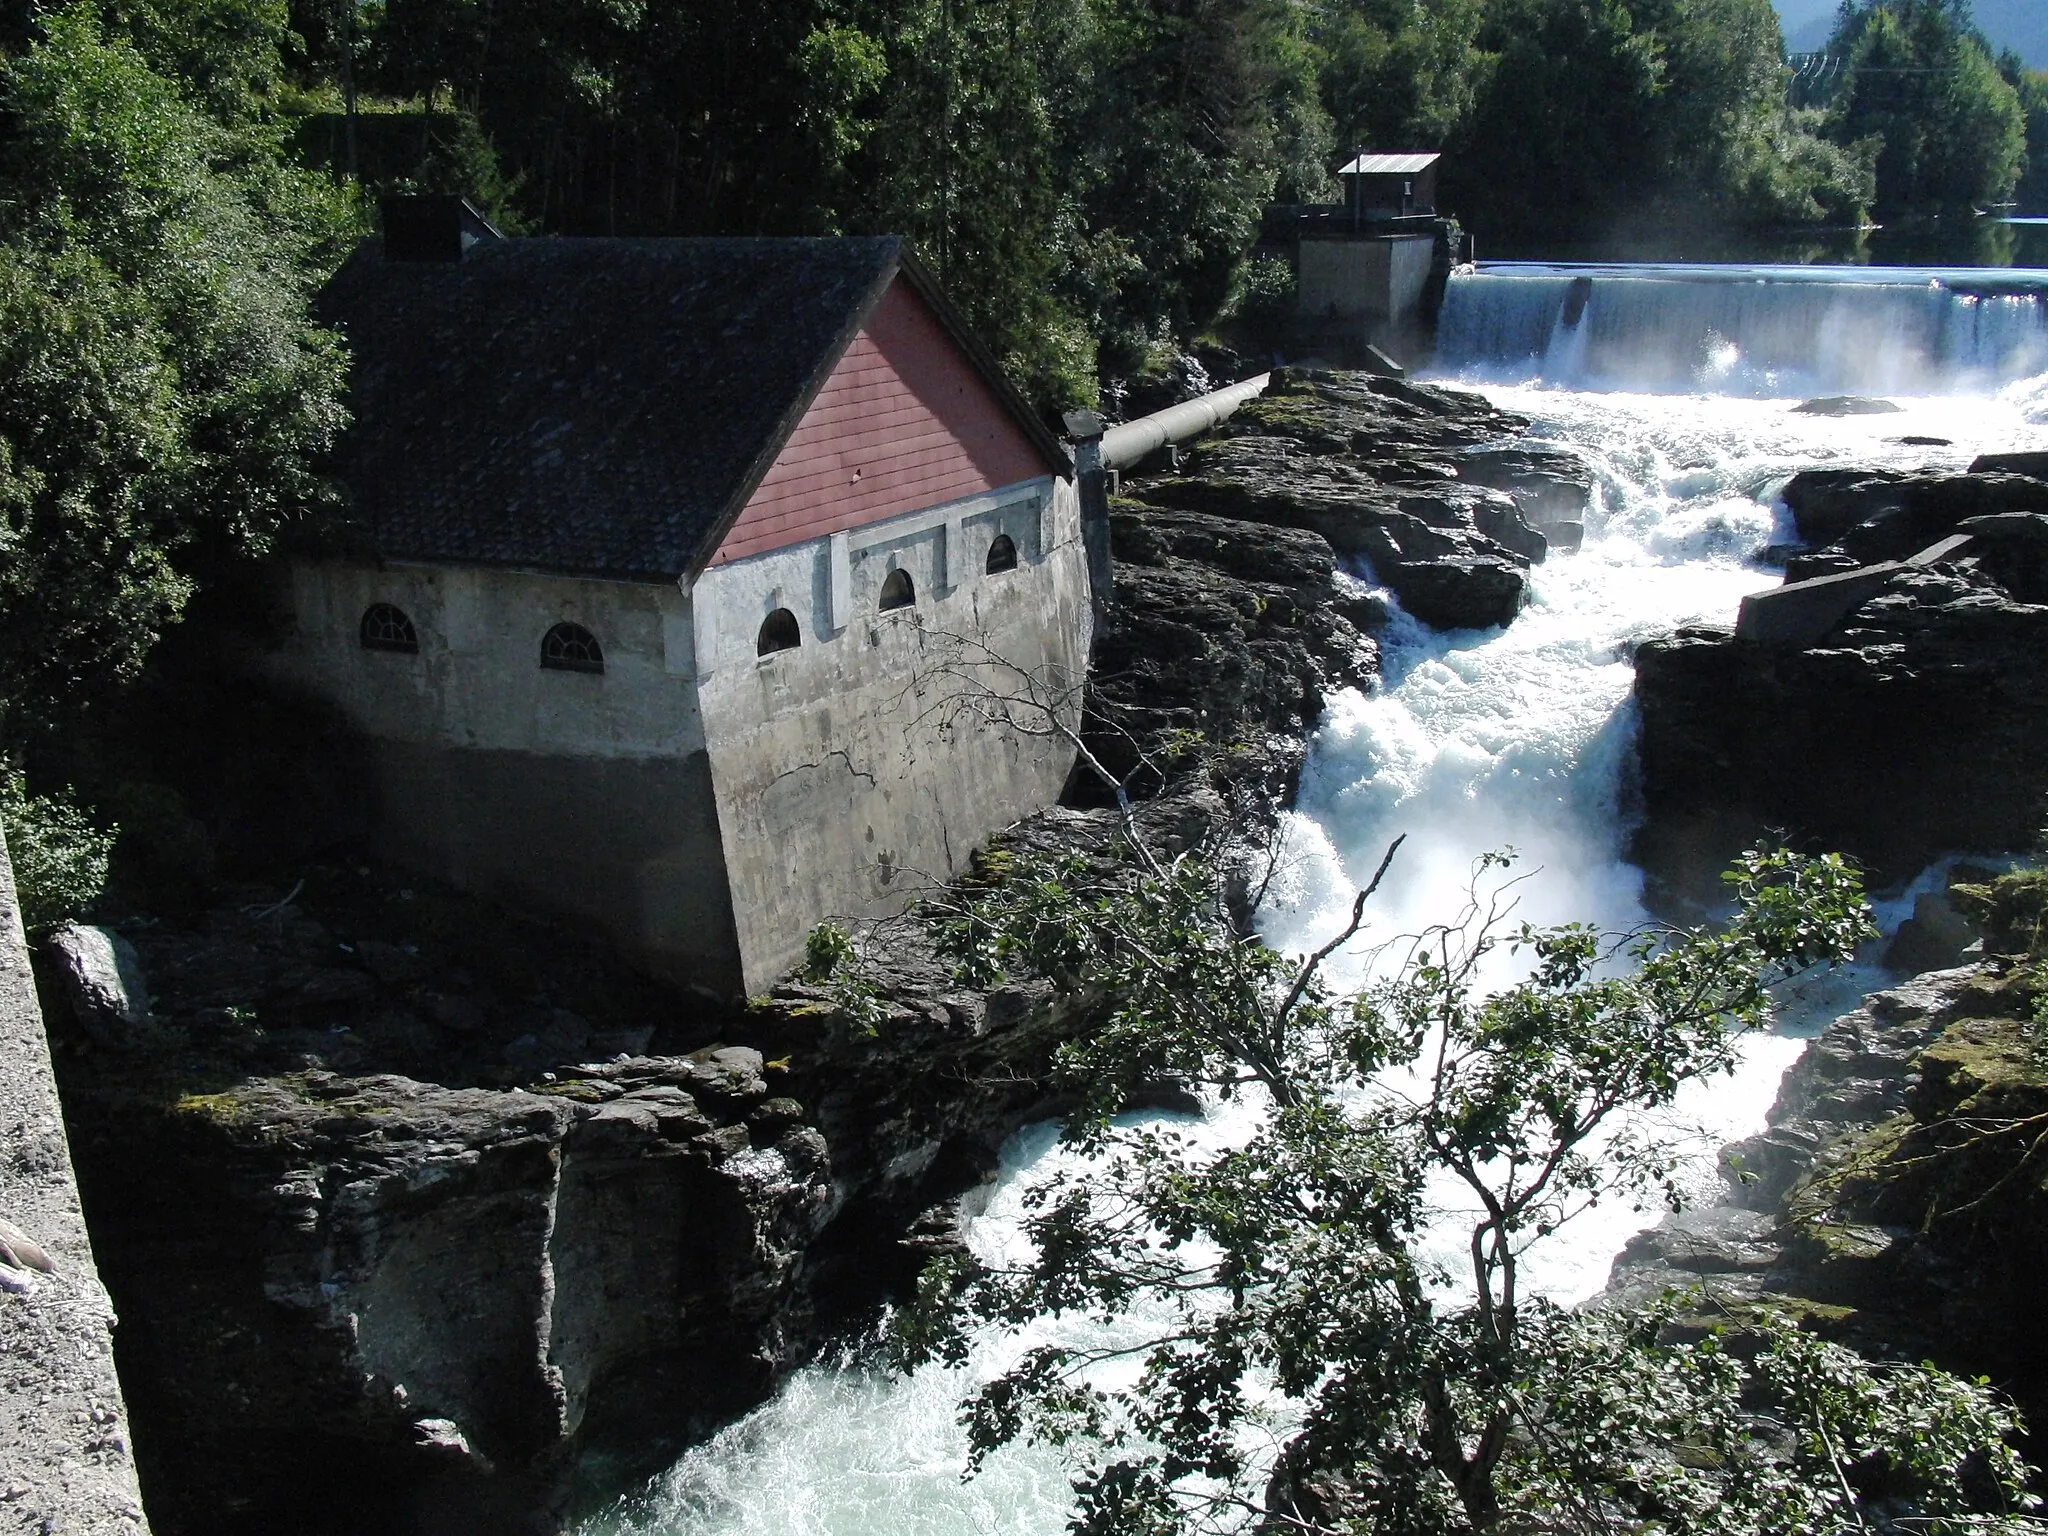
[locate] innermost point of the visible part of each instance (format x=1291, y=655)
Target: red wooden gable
x=904, y=421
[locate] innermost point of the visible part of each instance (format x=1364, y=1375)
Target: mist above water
x=1474, y=741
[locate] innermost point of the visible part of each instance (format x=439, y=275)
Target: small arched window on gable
x=898, y=591
x=779, y=632
x=571, y=648
x=386, y=628
x=1002, y=555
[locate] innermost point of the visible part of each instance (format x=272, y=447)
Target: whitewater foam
x=1473, y=740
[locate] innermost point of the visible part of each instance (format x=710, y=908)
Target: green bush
x=59, y=855
x=1263, y=293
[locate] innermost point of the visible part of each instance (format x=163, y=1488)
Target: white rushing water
x=1474, y=741
x=1761, y=331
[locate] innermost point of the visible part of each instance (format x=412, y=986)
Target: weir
x=1757, y=331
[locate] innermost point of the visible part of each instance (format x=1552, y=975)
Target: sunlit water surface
x=1474, y=741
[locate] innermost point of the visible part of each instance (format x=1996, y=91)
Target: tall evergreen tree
x=1921, y=86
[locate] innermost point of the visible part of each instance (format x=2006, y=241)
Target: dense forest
x=178, y=176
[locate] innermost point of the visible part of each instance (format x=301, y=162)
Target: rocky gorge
x=423, y=1215
x=1887, y=700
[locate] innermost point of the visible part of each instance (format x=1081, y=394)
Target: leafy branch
x=1311, y=1356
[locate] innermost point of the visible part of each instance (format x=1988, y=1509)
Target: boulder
x=2033, y=464
x=1860, y=517
x=2011, y=548
x=1888, y=699
x=1933, y=938
x=1847, y=405
x=1550, y=485
x=1425, y=545
x=1500, y=520
x=100, y=978
x=1827, y=503
x=1462, y=590
x=1916, y=724
x=410, y=1283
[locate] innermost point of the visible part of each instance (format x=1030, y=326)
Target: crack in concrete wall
x=843, y=756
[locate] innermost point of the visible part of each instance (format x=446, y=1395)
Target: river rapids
x=1677, y=386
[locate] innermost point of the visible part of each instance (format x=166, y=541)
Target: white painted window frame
x=957, y=564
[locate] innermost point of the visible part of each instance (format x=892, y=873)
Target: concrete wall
x=837, y=774
x=848, y=771
x=65, y=1463
x=1375, y=278
x=588, y=795
x=477, y=680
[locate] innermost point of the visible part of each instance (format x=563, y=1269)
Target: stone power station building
x=673, y=557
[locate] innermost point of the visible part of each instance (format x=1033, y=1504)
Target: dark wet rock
x=1827, y=503
x=1775, y=1240
x=1894, y=1183
x=1433, y=488
x=1921, y=726
x=2034, y=464
x=1426, y=547
x=1847, y=405
x=1723, y=1250
x=1552, y=486
x=1374, y=466
x=1858, y=517
x=1228, y=636
x=438, y=1294
x=1889, y=699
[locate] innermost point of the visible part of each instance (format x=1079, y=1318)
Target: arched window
x=1002, y=555
x=897, y=592
x=779, y=632
x=386, y=628
x=571, y=648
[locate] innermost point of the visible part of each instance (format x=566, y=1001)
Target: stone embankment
x=65, y=1464
x=423, y=1216
x=1888, y=700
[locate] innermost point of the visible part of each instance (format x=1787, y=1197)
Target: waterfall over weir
x=1759, y=331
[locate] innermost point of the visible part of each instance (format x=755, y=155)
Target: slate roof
x=1389, y=165
x=595, y=407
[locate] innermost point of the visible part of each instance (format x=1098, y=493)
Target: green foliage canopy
x=163, y=393
x=1948, y=128
x=1311, y=1361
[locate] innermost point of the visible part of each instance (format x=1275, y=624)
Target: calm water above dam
x=1677, y=387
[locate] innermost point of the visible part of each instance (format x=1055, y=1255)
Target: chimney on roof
x=432, y=228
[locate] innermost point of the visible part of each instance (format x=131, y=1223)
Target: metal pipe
x=1125, y=445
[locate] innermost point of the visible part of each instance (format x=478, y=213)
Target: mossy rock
x=2012, y=911
x=220, y=1108
x=576, y=1090
x=1979, y=1066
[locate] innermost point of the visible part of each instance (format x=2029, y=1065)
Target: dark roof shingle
x=594, y=407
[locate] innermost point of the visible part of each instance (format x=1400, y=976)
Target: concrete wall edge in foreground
x=66, y=1460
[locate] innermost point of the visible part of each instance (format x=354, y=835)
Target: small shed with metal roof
x=1390, y=186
